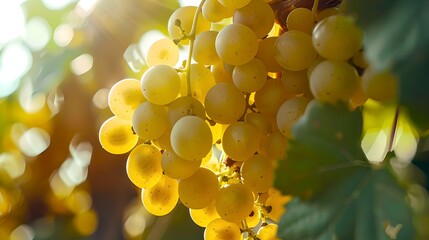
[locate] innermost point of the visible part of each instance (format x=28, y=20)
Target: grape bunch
x=208, y=133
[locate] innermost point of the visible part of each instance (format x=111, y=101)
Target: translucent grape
x=161, y=199
x=332, y=81
x=266, y=52
x=164, y=51
x=124, y=97
x=258, y=173
x=295, y=82
x=276, y=205
x=191, y=138
x=270, y=97
x=257, y=15
x=144, y=166
x=259, y=121
x=204, y=48
x=220, y=229
x=224, y=103
x=380, y=85
x=294, y=50
x=116, y=135
x=239, y=141
x=199, y=190
x=185, y=106
x=220, y=74
x=251, y=76
x=275, y=145
x=214, y=11
x=202, y=80
x=359, y=98
x=202, y=217
x=177, y=167
x=236, y=44
x=268, y=232
x=163, y=142
x=234, y=4
x=289, y=113
x=254, y=218
x=300, y=19
x=234, y=202
x=160, y=84
x=150, y=121
x=327, y=12
x=337, y=37
x=185, y=15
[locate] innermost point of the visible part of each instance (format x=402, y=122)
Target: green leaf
x=370, y=204
x=325, y=149
x=397, y=37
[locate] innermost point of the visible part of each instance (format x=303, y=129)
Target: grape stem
x=191, y=37
x=315, y=7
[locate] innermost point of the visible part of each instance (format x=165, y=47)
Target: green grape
x=270, y=97
x=160, y=84
x=161, y=199
x=337, y=37
x=185, y=106
x=294, y=50
x=220, y=229
x=116, y=135
x=268, y=232
x=185, y=15
x=333, y=81
x=327, y=12
x=300, y=19
x=289, y=113
x=234, y=202
x=202, y=80
x=204, y=48
x=258, y=173
x=239, y=141
x=124, y=97
x=234, y=4
x=191, y=138
x=275, y=145
x=295, y=82
x=150, y=121
x=380, y=85
x=266, y=52
x=144, y=166
x=253, y=219
x=220, y=74
x=177, y=167
x=224, y=103
x=202, y=217
x=276, y=205
x=259, y=121
x=257, y=15
x=251, y=76
x=199, y=190
x=236, y=44
x=214, y=11
x=164, y=51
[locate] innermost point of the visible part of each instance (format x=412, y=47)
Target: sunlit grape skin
x=150, y=121
x=220, y=229
x=199, y=190
x=144, y=166
x=160, y=84
x=257, y=15
x=124, y=97
x=116, y=135
x=234, y=202
x=161, y=199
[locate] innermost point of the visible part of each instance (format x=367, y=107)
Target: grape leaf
x=397, y=37
x=370, y=204
x=325, y=148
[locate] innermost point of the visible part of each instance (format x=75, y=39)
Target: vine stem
x=191, y=37
x=394, y=126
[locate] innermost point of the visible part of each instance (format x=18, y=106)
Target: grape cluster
x=210, y=132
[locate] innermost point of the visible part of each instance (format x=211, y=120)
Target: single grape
x=185, y=106
x=295, y=82
x=116, y=135
x=220, y=229
x=259, y=121
x=327, y=12
x=161, y=199
x=380, y=85
x=220, y=74
x=124, y=97
x=214, y=11
x=300, y=19
x=199, y=190
x=266, y=52
x=254, y=217
x=289, y=113
x=202, y=217
x=275, y=205
x=257, y=15
x=144, y=166
x=177, y=167
x=160, y=84
x=164, y=51
x=251, y=76
x=234, y=202
x=150, y=121
x=204, y=48
x=270, y=97
x=185, y=16
x=275, y=145
x=239, y=141
x=258, y=173
x=202, y=80
x=268, y=232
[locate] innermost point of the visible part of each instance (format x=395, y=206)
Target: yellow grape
x=254, y=218
x=239, y=141
x=220, y=74
x=199, y=190
x=161, y=199
x=163, y=142
x=234, y=4
x=333, y=81
x=202, y=217
x=259, y=121
x=185, y=106
x=327, y=12
x=214, y=11
x=144, y=166
x=360, y=60
x=294, y=50
x=160, y=84
x=116, y=135
x=177, y=167
x=295, y=82
x=359, y=98
x=380, y=85
x=202, y=80
x=164, y=51
x=236, y=44
x=186, y=17
x=289, y=113
x=204, y=48
x=220, y=229
x=124, y=97
x=224, y=103
x=266, y=52
x=251, y=76
x=276, y=205
x=234, y=202
x=257, y=15
x=300, y=19
x=258, y=173
x=275, y=145
x=268, y=232
x=150, y=121
x=270, y=97
x=337, y=37
x=191, y=138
